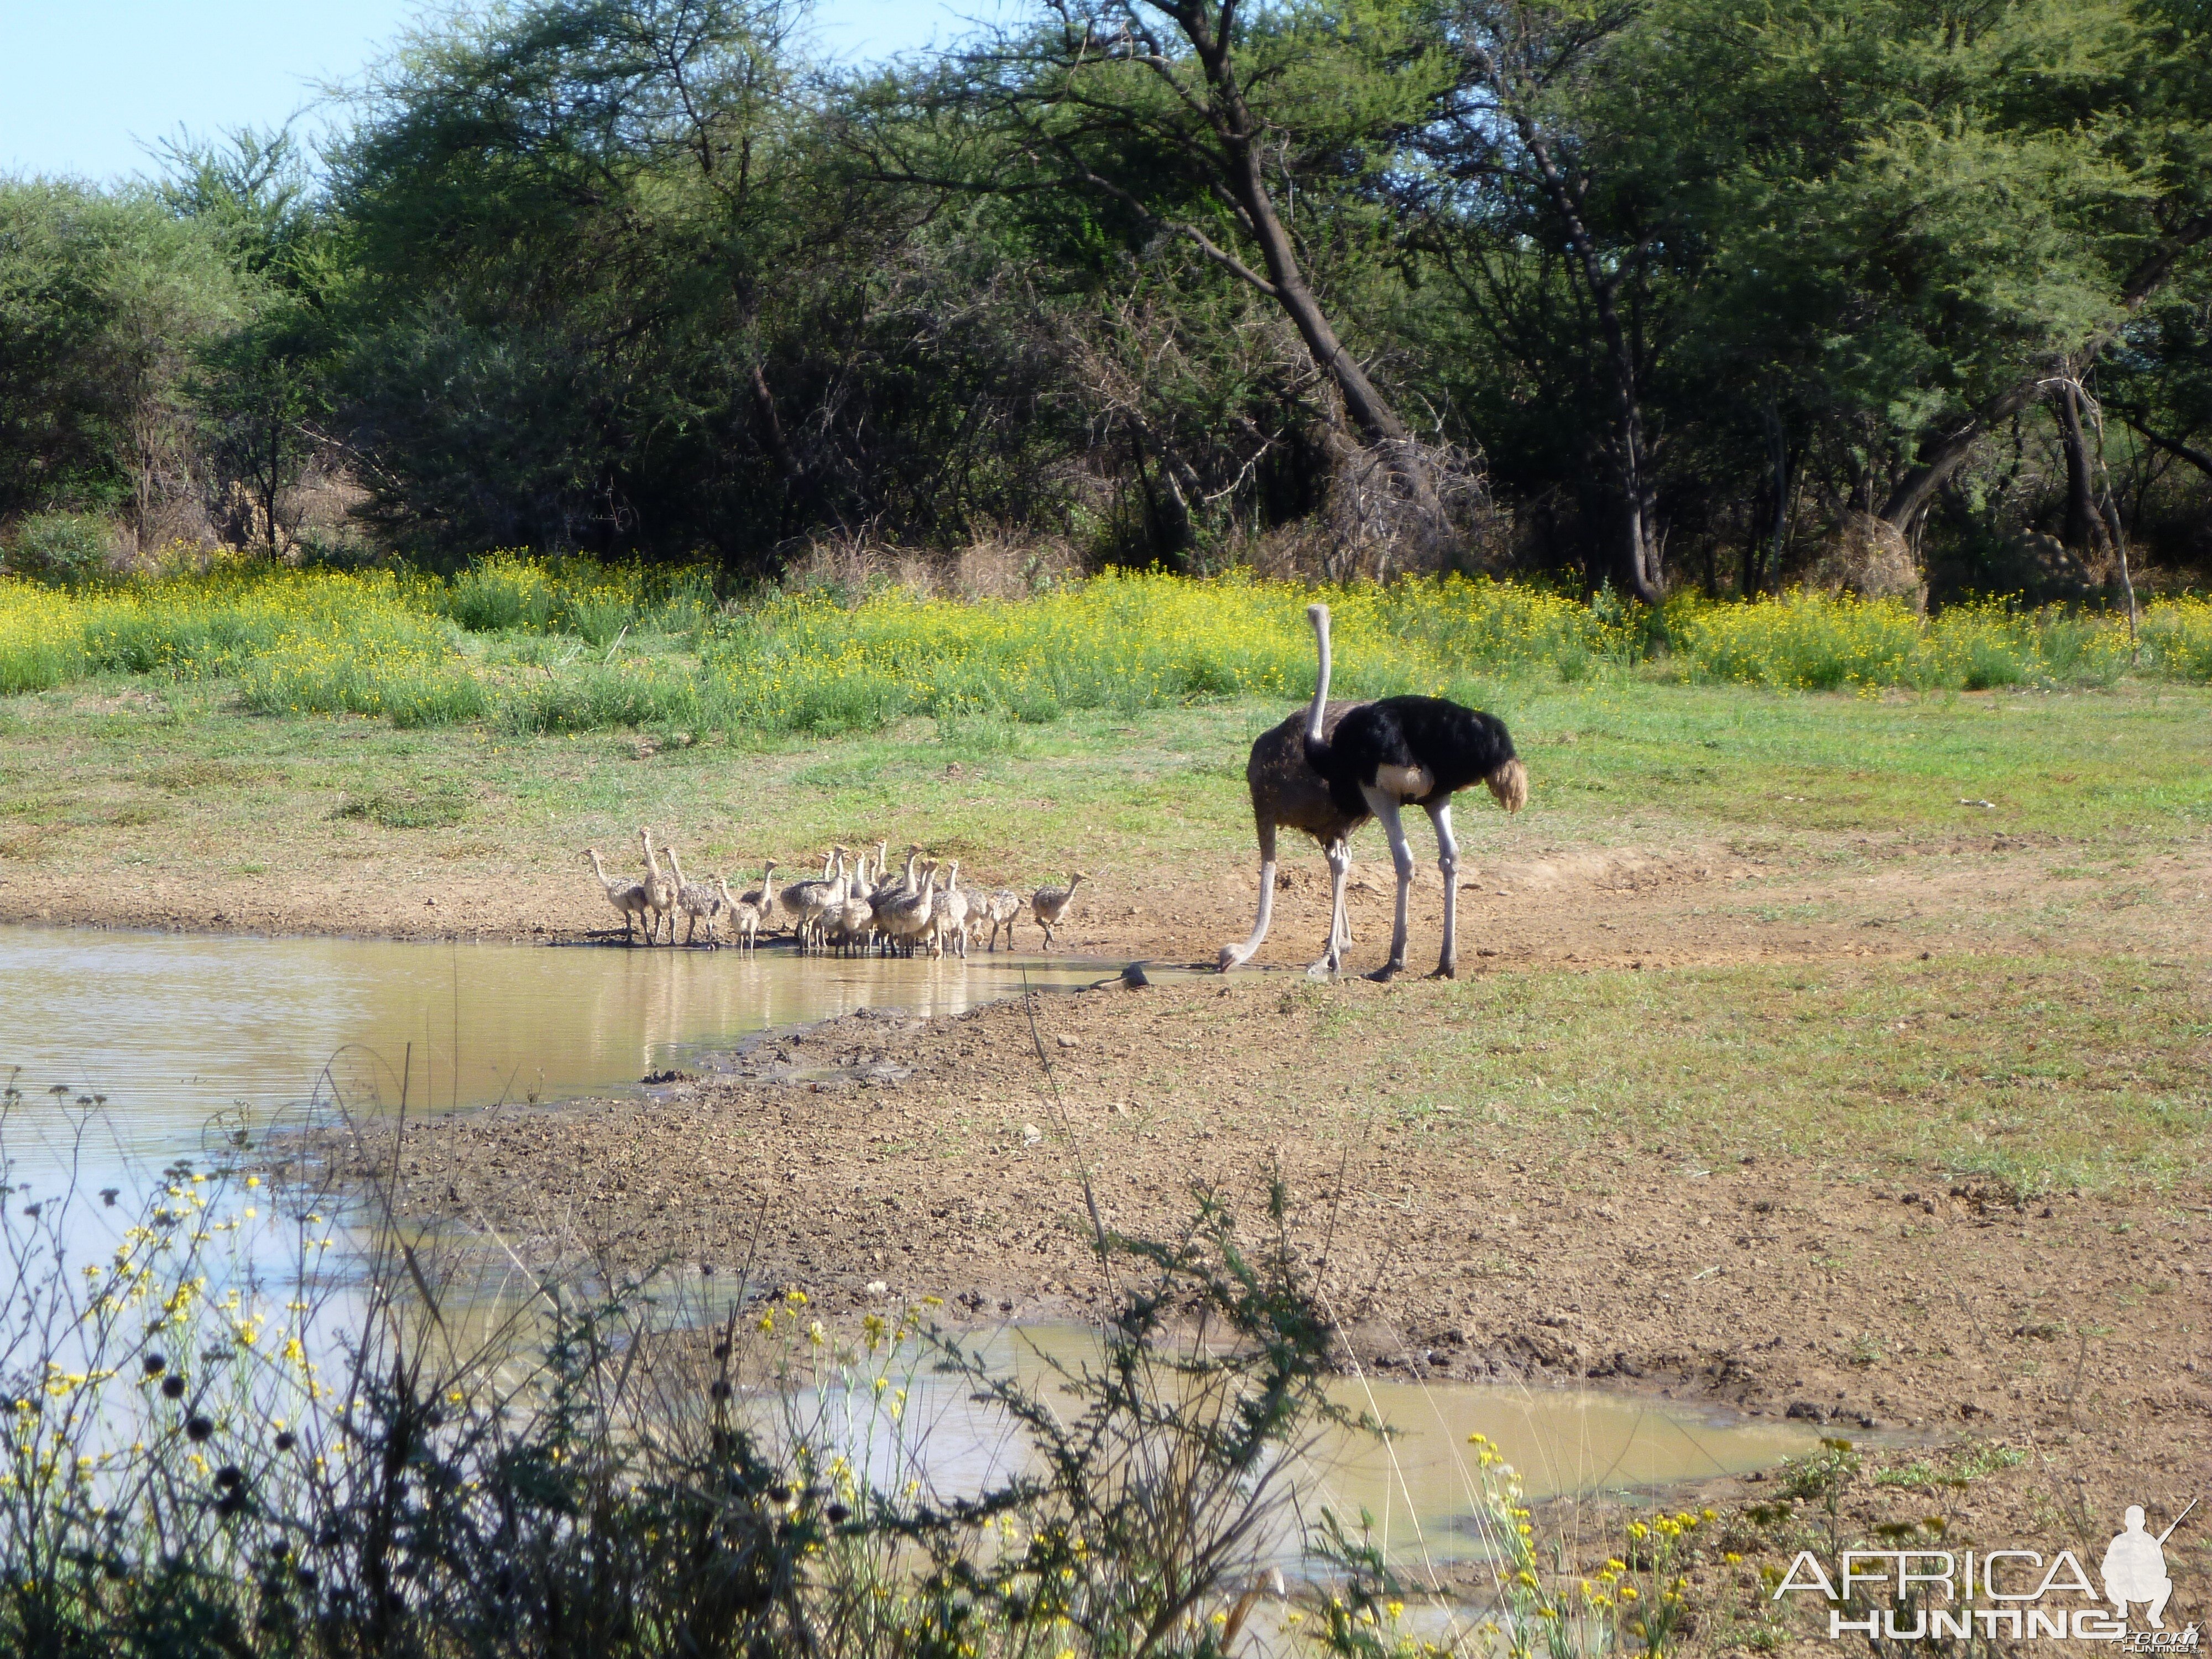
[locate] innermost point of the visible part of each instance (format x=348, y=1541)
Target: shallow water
x=186, y=1036
x=1420, y=1487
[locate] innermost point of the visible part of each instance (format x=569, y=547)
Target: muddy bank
x=876, y=1157
x=1665, y=905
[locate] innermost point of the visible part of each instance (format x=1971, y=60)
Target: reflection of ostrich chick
x=1288, y=794
x=1419, y=749
x=1049, y=904
x=660, y=891
x=627, y=897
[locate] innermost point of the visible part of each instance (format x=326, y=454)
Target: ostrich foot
x=1445, y=971
x=1387, y=972
x=1323, y=969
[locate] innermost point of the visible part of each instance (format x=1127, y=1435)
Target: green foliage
x=103, y=296
x=190, y=1466
x=63, y=548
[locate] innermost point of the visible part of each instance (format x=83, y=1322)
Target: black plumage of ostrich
x=1385, y=753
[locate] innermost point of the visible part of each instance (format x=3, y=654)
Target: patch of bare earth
x=876, y=1157
x=1663, y=906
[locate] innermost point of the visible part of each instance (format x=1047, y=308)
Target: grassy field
x=573, y=647
x=1917, y=934
x=2083, y=1072
x=99, y=771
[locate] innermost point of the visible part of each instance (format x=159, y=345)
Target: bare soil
x=875, y=1159
x=1669, y=904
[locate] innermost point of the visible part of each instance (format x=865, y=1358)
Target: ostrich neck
x=1320, y=689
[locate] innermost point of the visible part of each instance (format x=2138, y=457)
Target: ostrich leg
x=1339, y=855
x=1385, y=807
x=1447, y=863
x=1234, y=956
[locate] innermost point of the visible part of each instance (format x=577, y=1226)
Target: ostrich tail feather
x=1510, y=783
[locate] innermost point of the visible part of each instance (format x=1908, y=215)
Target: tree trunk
x=1918, y=487
x=1639, y=548
x=1238, y=133
x=2084, y=530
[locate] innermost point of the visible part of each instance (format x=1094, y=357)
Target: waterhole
x=1421, y=1485
x=188, y=1039
x=189, y=1036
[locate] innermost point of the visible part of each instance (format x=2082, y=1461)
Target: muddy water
x=184, y=1035
x=1421, y=1486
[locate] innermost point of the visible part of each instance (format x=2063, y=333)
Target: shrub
x=2177, y=634
x=190, y=1464
x=501, y=592
x=431, y=806
x=41, y=640
x=63, y=548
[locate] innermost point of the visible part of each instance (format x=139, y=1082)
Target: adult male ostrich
x=1422, y=750
x=1288, y=794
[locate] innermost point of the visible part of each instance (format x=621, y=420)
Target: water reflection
x=1419, y=1486
x=174, y=1031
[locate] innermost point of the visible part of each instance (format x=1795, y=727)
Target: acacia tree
x=258, y=387
x=1537, y=206
x=574, y=222
x=1842, y=233
x=1242, y=129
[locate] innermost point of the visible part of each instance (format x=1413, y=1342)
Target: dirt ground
x=1669, y=904
x=876, y=1159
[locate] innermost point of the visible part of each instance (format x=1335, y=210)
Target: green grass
x=1611, y=764
x=2025, y=1074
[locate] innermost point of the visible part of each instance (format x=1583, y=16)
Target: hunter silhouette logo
x=1936, y=1593
x=2134, y=1566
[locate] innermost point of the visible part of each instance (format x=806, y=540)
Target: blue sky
x=86, y=84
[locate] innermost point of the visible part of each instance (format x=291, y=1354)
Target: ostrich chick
x=627, y=897
x=949, y=921
x=1419, y=749
x=1002, y=909
x=745, y=914
x=1288, y=794
x=1049, y=904
x=659, y=892
x=695, y=899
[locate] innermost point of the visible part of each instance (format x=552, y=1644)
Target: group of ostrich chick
x=855, y=906
x=1325, y=771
